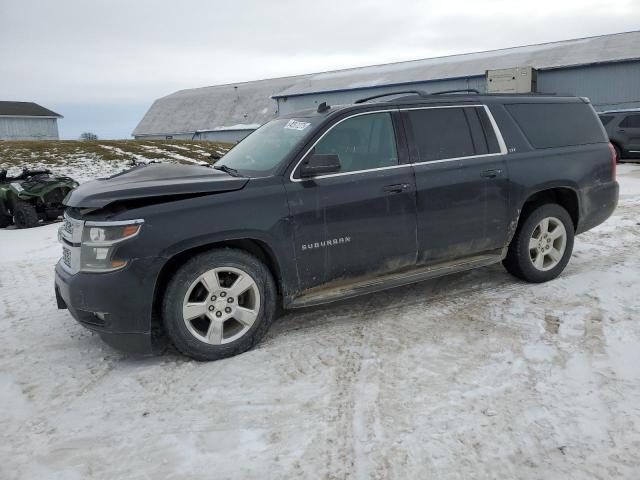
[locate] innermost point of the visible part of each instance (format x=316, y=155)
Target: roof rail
x=417, y=92
x=462, y=90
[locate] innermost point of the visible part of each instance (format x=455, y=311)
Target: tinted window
x=631, y=121
x=441, y=133
x=606, y=119
x=548, y=125
x=362, y=142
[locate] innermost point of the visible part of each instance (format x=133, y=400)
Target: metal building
x=27, y=121
x=605, y=69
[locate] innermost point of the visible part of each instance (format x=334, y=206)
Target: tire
x=529, y=264
x=618, y=152
x=208, y=285
x=24, y=214
x=5, y=217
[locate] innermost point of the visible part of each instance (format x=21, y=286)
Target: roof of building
x=25, y=109
x=582, y=51
x=239, y=106
x=250, y=103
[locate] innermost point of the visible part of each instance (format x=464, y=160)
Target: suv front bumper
x=116, y=305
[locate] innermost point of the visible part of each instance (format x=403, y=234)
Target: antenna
x=323, y=107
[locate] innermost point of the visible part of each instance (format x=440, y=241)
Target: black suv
x=623, y=129
x=328, y=204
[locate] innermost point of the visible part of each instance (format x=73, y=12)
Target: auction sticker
x=296, y=125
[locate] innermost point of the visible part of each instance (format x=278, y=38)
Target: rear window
x=606, y=119
x=548, y=125
x=631, y=121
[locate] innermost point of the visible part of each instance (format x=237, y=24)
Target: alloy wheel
x=221, y=305
x=547, y=243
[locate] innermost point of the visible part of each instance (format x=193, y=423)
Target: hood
x=153, y=180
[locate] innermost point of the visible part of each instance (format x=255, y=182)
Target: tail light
x=613, y=160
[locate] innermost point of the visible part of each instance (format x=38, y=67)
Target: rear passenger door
x=461, y=181
x=629, y=128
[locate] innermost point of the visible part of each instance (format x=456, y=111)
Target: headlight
x=99, y=241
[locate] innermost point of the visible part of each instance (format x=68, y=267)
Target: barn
x=27, y=121
x=605, y=68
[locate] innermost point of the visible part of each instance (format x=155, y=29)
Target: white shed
x=27, y=121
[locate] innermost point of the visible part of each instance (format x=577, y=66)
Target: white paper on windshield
x=296, y=125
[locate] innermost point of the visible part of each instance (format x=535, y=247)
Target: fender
x=283, y=262
x=539, y=191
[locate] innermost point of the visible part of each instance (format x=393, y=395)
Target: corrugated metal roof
x=25, y=109
x=219, y=107
x=216, y=107
x=605, y=48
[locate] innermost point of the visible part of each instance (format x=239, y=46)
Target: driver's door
x=359, y=221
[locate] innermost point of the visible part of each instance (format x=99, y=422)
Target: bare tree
x=88, y=136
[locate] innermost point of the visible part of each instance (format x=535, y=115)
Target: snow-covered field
x=85, y=161
x=472, y=376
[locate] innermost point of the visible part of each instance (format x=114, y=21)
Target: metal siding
x=302, y=102
x=174, y=136
x=608, y=86
x=28, y=128
x=227, y=136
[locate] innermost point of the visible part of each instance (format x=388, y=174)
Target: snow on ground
x=476, y=375
x=173, y=155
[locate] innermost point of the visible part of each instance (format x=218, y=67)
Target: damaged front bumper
x=116, y=305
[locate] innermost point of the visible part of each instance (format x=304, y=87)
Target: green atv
x=32, y=196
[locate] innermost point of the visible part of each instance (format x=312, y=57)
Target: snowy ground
x=472, y=376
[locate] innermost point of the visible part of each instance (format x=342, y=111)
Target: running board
x=340, y=290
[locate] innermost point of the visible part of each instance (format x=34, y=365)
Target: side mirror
x=317, y=164
x=215, y=156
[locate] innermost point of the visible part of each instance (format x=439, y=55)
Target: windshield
x=261, y=152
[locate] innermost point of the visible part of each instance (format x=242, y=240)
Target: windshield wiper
x=231, y=171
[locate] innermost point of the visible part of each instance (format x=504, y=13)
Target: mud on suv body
x=331, y=203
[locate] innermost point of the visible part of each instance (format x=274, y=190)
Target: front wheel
x=542, y=245
x=24, y=214
x=219, y=304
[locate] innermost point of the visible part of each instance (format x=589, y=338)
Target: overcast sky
x=102, y=63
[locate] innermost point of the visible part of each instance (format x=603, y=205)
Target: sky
x=101, y=64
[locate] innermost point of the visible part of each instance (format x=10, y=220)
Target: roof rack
x=420, y=93
x=417, y=92
x=621, y=110
x=461, y=90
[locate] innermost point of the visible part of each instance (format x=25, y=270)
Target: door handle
x=621, y=130
x=491, y=173
x=396, y=188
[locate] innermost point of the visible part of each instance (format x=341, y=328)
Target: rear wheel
x=24, y=214
x=219, y=304
x=542, y=245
